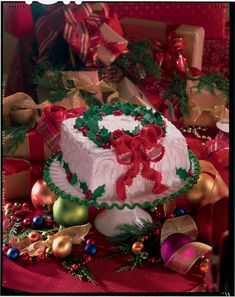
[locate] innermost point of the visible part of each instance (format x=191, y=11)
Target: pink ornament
x=172, y=244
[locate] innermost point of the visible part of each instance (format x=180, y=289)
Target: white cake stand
x=117, y=211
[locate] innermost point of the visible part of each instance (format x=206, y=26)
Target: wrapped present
x=21, y=140
x=205, y=108
x=88, y=34
x=210, y=16
x=193, y=36
x=76, y=88
x=18, y=178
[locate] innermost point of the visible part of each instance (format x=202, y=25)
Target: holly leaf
x=83, y=186
x=73, y=179
x=93, y=125
x=59, y=157
x=98, y=192
x=108, y=109
x=66, y=166
x=149, y=118
x=79, y=123
x=183, y=173
x=136, y=130
x=105, y=134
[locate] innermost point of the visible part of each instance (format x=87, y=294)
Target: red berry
x=86, y=258
x=117, y=112
x=13, y=218
x=25, y=205
x=24, y=257
x=106, y=145
x=145, y=237
x=164, y=123
x=190, y=173
x=75, y=126
x=139, y=118
x=69, y=175
x=42, y=256
x=102, y=113
x=27, y=222
x=49, y=222
x=81, y=128
x=90, y=241
x=75, y=267
x=156, y=231
x=5, y=248
x=170, y=216
x=88, y=194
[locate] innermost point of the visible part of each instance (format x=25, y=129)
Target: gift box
x=210, y=16
x=204, y=108
x=81, y=80
x=18, y=178
x=88, y=32
x=193, y=36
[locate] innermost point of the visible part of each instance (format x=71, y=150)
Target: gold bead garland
x=194, y=130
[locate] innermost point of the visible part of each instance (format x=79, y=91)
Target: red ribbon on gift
x=82, y=31
x=50, y=123
x=170, y=57
x=138, y=151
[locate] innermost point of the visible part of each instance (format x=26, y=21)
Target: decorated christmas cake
x=123, y=151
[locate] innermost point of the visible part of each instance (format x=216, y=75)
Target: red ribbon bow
x=50, y=123
x=139, y=151
x=170, y=57
x=83, y=34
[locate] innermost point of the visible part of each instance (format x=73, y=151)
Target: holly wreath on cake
x=121, y=155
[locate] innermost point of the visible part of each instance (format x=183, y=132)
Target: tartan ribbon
x=170, y=57
x=139, y=151
x=82, y=31
x=50, y=123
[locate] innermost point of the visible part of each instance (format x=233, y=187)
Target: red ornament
x=145, y=237
x=75, y=267
x=9, y=207
x=42, y=256
x=25, y=206
x=170, y=216
x=5, y=248
x=156, y=231
x=27, y=222
x=24, y=258
x=90, y=241
x=13, y=218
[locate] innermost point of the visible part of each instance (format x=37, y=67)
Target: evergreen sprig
x=140, y=53
x=14, y=136
x=213, y=82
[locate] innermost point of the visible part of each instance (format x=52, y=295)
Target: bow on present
x=83, y=31
x=138, y=151
x=170, y=58
x=50, y=123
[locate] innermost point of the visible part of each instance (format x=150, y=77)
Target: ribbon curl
x=75, y=234
x=138, y=151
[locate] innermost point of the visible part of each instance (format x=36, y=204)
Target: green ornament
x=68, y=213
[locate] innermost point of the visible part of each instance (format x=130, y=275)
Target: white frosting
x=97, y=166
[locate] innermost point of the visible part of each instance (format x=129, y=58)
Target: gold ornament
x=34, y=236
x=206, y=189
x=22, y=116
x=68, y=213
x=137, y=247
x=42, y=197
x=62, y=246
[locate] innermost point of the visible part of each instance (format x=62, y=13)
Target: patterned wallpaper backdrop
x=211, y=16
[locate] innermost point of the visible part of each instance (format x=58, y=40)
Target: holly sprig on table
x=141, y=242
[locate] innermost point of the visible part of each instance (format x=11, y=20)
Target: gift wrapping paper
x=193, y=36
x=210, y=16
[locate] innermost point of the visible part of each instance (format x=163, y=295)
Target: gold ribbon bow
x=74, y=233
x=218, y=112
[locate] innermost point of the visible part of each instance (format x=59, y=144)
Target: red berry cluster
x=84, y=130
x=117, y=112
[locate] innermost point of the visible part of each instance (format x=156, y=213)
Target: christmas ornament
x=34, y=236
x=90, y=249
x=137, y=247
x=38, y=221
x=27, y=222
x=68, y=213
x=42, y=197
x=140, y=72
x=205, y=188
x=62, y=246
x=13, y=254
x=179, y=212
x=204, y=264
